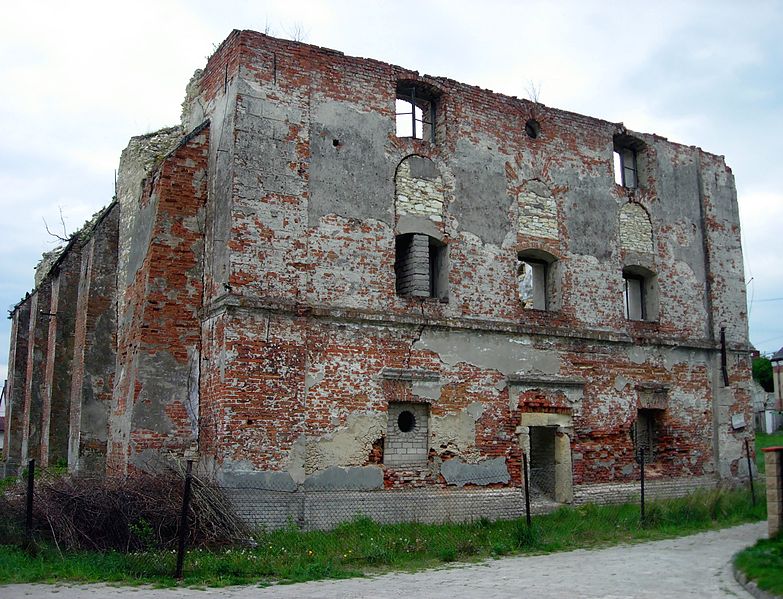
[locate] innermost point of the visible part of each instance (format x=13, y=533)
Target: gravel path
x=694, y=566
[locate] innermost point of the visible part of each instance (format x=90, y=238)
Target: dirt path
x=695, y=566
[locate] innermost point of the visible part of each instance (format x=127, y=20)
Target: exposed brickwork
x=260, y=320
x=155, y=404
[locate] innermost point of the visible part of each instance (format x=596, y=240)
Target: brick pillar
x=14, y=400
x=95, y=331
x=59, y=358
x=37, y=345
x=773, y=463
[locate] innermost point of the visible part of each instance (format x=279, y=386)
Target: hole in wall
x=335, y=142
x=532, y=128
x=406, y=421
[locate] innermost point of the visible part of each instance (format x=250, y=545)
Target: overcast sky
x=79, y=78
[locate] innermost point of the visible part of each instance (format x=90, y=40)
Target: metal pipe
x=183, y=520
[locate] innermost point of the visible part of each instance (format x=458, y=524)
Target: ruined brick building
x=340, y=272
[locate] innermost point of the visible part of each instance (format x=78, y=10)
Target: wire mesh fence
x=155, y=520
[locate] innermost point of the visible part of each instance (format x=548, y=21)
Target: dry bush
x=136, y=513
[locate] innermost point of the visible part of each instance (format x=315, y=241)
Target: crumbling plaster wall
x=14, y=405
x=35, y=365
x=94, y=346
x=155, y=405
x=59, y=355
x=257, y=317
x=312, y=235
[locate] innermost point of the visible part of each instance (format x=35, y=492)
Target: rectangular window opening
x=415, y=114
x=532, y=283
x=645, y=433
x=634, y=298
x=626, y=160
x=421, y=266
x=438, y=272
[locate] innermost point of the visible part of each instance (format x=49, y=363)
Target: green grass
x=763, y=440
x=763, y=563
x=362, y=546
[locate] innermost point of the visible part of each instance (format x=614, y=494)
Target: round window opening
x=532, y=128
x=406, y=421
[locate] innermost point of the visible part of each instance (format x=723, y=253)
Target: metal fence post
x=750, y=472
x=29, y=508
x=183, y=520
x=527, y=490
x=641, y=463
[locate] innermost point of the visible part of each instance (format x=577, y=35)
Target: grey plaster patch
x=620, y=382
x=427, y=389
x=99, y=353
x=94, y=415
x=672, y=357
x=296, y=459
x=476, y=409
x=587, y=208
x=456, y=472
x=314, y=377
x=254, y=103
x=165, y=381
x=347, y=446
x=481, y=196
x=347, y=161
x=679, y=178
x=498, y=352
x=422, y=168
x=192, y=401
x=455, y=433
x=407, y=223
x=637, y=355
x=363, y=478
x=257, y=479
x=141, y=236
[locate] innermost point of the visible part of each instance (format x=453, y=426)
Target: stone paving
x=698, y=566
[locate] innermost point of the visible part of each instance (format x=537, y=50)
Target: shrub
x=134, y=513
